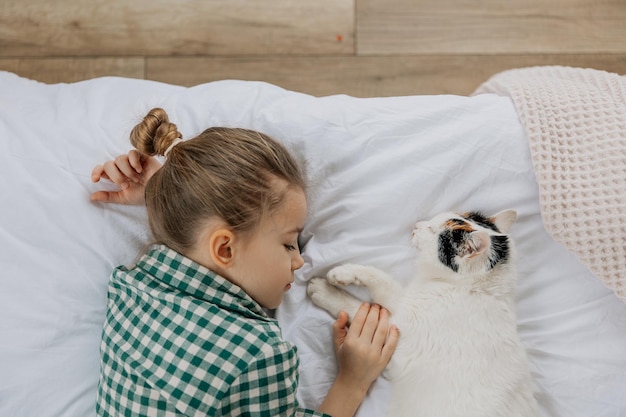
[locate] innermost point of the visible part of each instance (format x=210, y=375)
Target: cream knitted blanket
x=575, y=120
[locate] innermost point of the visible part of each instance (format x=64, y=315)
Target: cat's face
x=468, y=242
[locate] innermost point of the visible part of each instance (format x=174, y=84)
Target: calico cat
x=459, y=352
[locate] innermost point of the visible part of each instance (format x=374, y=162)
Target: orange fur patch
x=456, y=225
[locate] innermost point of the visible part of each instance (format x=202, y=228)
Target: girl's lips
x=288, y=287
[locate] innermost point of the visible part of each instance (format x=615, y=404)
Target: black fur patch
x=448, y=249
x=499, y=250
x=480, y=219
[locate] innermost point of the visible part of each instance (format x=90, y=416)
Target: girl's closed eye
x=290, y=247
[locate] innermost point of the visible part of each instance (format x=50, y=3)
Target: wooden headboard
x=359, y=47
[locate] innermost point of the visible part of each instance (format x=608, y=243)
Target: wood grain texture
x=364, y=76
x=363, y=48
x=491, y=26
x=67, y=70
x=175, y=27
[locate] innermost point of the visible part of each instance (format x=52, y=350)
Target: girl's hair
x=228, y=173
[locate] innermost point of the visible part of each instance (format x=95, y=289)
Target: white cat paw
x=345, y=275
x=318, y=290
x=329, y=297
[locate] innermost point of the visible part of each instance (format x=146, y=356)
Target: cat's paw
x=346, y=275
x=318, y=290
x=331, y=298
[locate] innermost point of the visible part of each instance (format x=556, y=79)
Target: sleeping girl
x=186, y=331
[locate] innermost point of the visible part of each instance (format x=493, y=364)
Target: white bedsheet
x=375, y=166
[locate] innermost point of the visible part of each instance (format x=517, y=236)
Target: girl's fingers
x=123, y=164
x=382, y=329
x=113, y=173
x=391, y=343
x=103, y=196
x=96, y=173
x=339, y=329
x=356, y=327
x=134, y=158
x=371, y=323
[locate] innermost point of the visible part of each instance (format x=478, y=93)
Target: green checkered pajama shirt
x=179, y=340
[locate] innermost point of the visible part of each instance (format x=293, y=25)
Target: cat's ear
x=504, y=220
x=476, y=243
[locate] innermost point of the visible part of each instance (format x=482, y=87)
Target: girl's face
x=266, y=261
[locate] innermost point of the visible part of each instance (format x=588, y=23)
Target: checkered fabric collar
x=183, y=274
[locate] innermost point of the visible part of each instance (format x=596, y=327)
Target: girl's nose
x=297, y=262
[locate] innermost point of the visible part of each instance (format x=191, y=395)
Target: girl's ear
x=221, y=247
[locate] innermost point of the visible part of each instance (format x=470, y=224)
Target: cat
x=459, y=353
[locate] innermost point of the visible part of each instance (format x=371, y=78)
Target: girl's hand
x=130, y=172
x=363, y=351
x=365, y=348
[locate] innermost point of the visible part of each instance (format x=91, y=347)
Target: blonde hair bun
x=154, y=134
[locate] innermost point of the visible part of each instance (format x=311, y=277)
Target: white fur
x=459, y=353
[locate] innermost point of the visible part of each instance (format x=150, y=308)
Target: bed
x=374, y=167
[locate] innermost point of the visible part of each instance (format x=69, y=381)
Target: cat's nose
x=416, y=229
x=419, y=225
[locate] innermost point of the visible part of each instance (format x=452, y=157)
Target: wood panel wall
x=362, y=48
